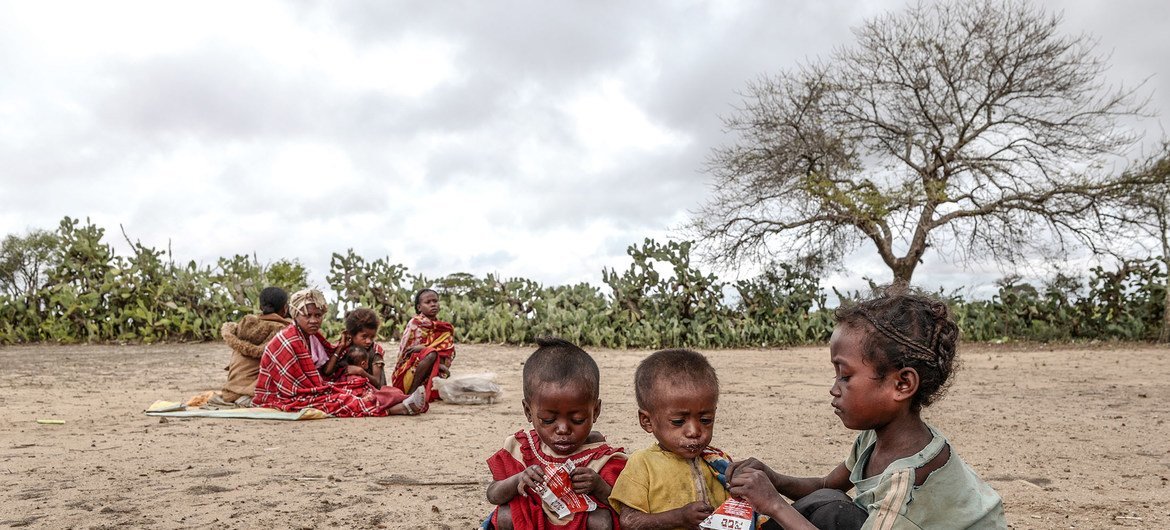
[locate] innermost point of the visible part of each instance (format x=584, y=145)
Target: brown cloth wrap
x=247, y=339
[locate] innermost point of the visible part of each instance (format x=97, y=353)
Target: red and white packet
x=733, y=514
x=558, y=492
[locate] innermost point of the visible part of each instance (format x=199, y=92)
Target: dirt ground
x=1071, y=437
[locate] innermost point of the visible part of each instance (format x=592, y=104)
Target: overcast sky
x=534, y=139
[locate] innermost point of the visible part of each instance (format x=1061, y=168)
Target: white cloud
x=527, y=140
x=411, y=68
x=609, y=125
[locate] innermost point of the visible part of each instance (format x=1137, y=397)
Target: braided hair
x=907, y=330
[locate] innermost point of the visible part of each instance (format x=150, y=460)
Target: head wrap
x=304, y=297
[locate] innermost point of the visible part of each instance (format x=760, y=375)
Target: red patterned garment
x=434, y=336
x=358, y=385
x=289, y=381
x=529, y=512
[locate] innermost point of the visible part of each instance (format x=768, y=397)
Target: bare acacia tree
x=25, y=263
x=970, y=126
x=1141, y=214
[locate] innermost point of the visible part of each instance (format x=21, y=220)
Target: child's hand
x=356, y=370
x=585, y=480
x=415, y=349
x=694, y=513
x=532, y=477
x=750, y=463
x=754, y=486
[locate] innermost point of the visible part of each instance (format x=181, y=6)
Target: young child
x=561, y=400
x=359, y=357
x=426, y=349
x=892, y=356
x=676, y=482
x=358, y=366
x=361, y=330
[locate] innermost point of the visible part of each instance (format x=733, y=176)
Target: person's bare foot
x=415, y=402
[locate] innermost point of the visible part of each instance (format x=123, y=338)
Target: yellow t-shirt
x=656, y=481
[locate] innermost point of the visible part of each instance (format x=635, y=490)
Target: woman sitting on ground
x=426, y=349
x=289, y=378
x=247, y=339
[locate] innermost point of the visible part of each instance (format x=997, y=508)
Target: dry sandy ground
x=1069, y=436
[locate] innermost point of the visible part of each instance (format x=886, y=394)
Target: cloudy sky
x=534, y=139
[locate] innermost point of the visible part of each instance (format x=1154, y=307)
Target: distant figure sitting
x=290, y=381
x=361, y=330
x=247, y=339
x=358, y=364
x=426, y=349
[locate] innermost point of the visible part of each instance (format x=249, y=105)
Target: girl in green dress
x=892, y=355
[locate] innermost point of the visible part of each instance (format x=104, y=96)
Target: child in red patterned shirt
x=561, y=400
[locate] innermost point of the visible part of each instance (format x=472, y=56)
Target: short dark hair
x=677, y=366
x=419, y=294
x=273, y=300
x=906, y=329
x=557, y=360
x=356, y=355
x=359, y=319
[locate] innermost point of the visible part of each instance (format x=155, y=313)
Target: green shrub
x=70, y=286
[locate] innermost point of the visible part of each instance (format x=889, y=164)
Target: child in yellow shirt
x=676, y=482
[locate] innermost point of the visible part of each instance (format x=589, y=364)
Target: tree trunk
x=1164, y=232
x=903, y=269
x=1164, y=336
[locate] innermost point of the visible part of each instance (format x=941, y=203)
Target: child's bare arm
x=688, y=516
x=335, y=356
x=503, y=491
x=755, y=487
x=330, y=366
x=795, y=487
x=357, y=370
x=376, y=373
